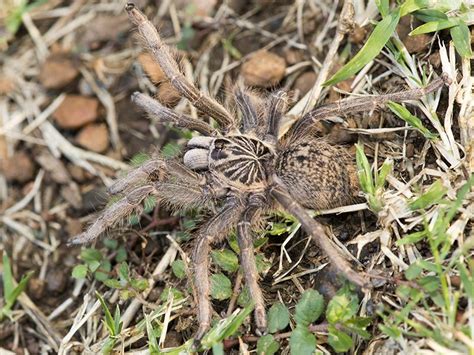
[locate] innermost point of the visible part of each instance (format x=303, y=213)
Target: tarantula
x=242, y=169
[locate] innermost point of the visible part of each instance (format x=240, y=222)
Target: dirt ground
x=68, y=69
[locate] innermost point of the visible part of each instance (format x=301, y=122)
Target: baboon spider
x=242, y=169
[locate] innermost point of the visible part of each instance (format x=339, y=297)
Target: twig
x=35, y=36
x=235, y=294
x=79, y=321
x=29, y=196
x=25, y=231
x=44, y=115
x=57, y=143
x=43, y=324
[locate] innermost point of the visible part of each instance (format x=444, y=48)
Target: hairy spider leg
x=255, y=205
x=117, y=211
x=249, y=114
x=168, y=181
x=212, y=231
x=276, y=109
x=162, y=114
x=162, y=55
x=280, y=192
x=136, y=176
x=350, y=106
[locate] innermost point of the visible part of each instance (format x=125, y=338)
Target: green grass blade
x=460, y=196
x=462, y=39
x=376, y=41
x=428, y=15
x=10, y=292
x=412, y=238
x=434, y=195
x=109, y=320
x=467, y=279
x=152, y=341
x=415, y=122
x=364, y=171
x=446, y=5
x=433, y=26
x=18, y=289
x=383, y=6
x=7, y=277
x=410, y=6
x=225, y=327
x=117, y=322
x=382, y=175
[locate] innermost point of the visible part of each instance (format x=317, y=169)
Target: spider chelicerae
x=242, y=169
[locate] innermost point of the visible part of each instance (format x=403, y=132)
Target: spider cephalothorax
x=242, y=169
x=239, y=160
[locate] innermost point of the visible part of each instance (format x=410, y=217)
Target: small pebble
x=305, y=82
x=201, y=8
x=293, y=56
x=57, y=279
x=94, y=137
x=77, y=173
x=73, y=227
x=36, y=288
x=71, y=194
x=7, y=85
x=264, y=69
x=357, y=35
x=76, y=111
x=57, y=71
x=435, y=59
x=18, y=168
x=417, y=44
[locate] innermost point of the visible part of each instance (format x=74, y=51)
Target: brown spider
x=243, y=169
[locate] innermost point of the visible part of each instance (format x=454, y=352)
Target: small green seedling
x=97, y=264
x=308, y=310
x=341, y=316
x=14, y=18
x=212, y=340
x=372, y=186
x=225, y=328
x=113, y=324
x=10, y=291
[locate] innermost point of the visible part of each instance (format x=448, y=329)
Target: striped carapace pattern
x=240, y=159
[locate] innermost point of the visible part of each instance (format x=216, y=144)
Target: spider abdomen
x=318, y=175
